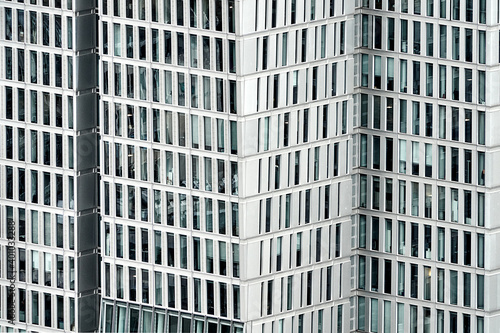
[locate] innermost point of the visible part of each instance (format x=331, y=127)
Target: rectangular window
x=455, y=83
x=454, y=164
x=416, y=36
x=375, y=234
x=429, y=86
x=401, y=278
x=362, y=272
x=362, y=231
x=404, y=36
x=482, y=87
x=415, y=158
x=403, y=85
x=364, y=70
x=402, y=156
x=401, y=237
x=414, y=284
x=427, y=242
x=442, y=41
x=455, y=41
x=389, y=114
x=441, y=162
x=428, y=160
x=467, y=248
x=442, y=81
x=376, y=193
x=364, y=110
x=377, y=77
x=390, y=74
x=454, y=205
x=402, y=197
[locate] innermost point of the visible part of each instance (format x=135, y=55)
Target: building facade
x=43, y=169
x=248, y=166
x=426, y=76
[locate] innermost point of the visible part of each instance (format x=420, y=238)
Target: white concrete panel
x=254, y=304
x=492, y=87
x=251, y=219
x=249, y=135
x=252, y=260
x=246, y=15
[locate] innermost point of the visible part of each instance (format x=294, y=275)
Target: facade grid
x=249, y=165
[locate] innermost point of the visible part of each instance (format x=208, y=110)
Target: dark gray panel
x=86, y=111
x=88, y=232
x=88, y=313
x=87, y=186
x=86, y=71
x=88, y=272
x=84, y=5
x=86, y=32
x=87, y=146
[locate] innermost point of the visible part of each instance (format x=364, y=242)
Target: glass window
x=117, y=40
x=481, y=171
x=402, y=116
x=416, y=35
x=298, y=259
x=414, y=239
x=428, y=160
x=401, y=278
x=414, y=289
x=374, y=315
x=361, y=278
x=467, y=248
x=415, y=161
x=402, y=156
x=364, y=40
x=454, y=164
x=377, y=36
x=455, y=42
x=375, y=233
x=442, y=41
x=401, y=237
x=376, y=152
x=364, y=70
x=441, y=202
x=377, y=77
x=362, y=231
x=455, y=83
x=454, y=246
x=363, y=189
x=403, y=85
x=454, y=205
x=482, y=87
x=428, y=202
x=416, y=118
x=467, y=166
x=402, y=197
x=207, y=129
x=390, y=34
x=441, y=162
x=404, y=34
x=429, y=85
x=46, y=68
x=390, y=74
x=363, y=152
x=57, y=30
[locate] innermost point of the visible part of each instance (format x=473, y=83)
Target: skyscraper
x=241, y=166
x=424, y=181
x=39, y=252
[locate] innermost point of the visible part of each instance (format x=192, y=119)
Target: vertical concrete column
x=87, y=138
